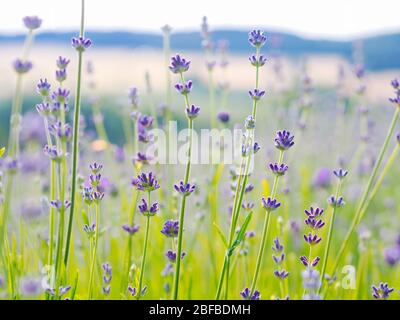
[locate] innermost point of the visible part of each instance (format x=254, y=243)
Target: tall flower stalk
x=257, y=39
x=80, y=44
x=363, y=200
x=180, y=65
x=283, y=142
x=146, y=183
x=335, y=201
x=92, y=194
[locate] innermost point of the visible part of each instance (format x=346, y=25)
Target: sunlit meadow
x=307, y=208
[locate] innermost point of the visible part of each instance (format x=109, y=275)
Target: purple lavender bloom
x=145, y=121
x=131, y=230
x=98, y=196
x=312, y=239
x=314, y=212
x=336, y=203
x=311, y=278
x=143, y=135
x=132, y=290
x=168, y=270
x=257, y=38
x=256, y=147
x=322, y=178
x=21, y=66
x=250, y=122
x=283, y=140
x=61, y=75
x=52, y=152
x=340, y=173
x=96, y=167
x=395, y=84
x=61, y=95
x=392, y=255
x=245, y=293
x=250, y=234
x=171, y=255
x=64, y=290
x=63, y=132
x=398, y=138
x=87, y=195
x=62, y=63
x=185, y=189
x=133, y=96
x=32, y=22
x=278, y=169
x=80, y=43
x=281, y=274
x=270, y=204
x=170, y=228
x=223, y=117
x=146, y=182
x=43, y=87
x=359, y=71
x=179, y=64
x=57, y=204
x=11, y=165
x=184, y=88
x=277, y=247
x=382, y=291
x=313, y=223
x=256, y=94
x=44, y=109
x=30, y=286
x=147, y=210
x=249, y=188
x=142, y=158
x=257, y=62
x=107, y=272
x=94, y=179
x=305, y=261
x=90, y=230
x=248, y=206
x=192, y=112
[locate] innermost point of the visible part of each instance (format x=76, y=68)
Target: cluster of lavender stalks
x=62, y=137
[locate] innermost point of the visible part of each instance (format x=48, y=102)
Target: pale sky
x=312, y=18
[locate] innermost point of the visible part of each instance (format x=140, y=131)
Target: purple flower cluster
x=382, y=291
x=92, y=193
x=278, y=257
x=245, y=293
x=270, y=204
x=396, y=86
x=170, y=228
x=32, y=22
x=80, y=43
x=22, y=66
x=179, y=64
x=185, y=189
x=107, y=277
x=283, y=140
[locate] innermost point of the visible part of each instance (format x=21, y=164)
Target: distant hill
x=380, y=52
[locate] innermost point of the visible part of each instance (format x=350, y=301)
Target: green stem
x=143, y=264
x=265, y=231
x=356, y=219
x=238, y=195
x=183, y=203
x=75, y=139
x=94, y=253
x=330, y=232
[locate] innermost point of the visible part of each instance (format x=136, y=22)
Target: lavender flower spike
x=283, y=140
x=340, y=173
x=246, y=294
x=32, y=22
x=270, y=204
x=278, y=169
x=256, y=94
x=223, y=117
x=184, y=88
x=147, y=210
x=170, y=228
x=62, y=63
x=312, y=239
x=185, y=189
x=382, y=291
x=333, y=202
x=43, y=87
x=146, y=182
x=192, y=112
x=257, y=38
x=179, y=64
x=21, y=66
x=257, y=62
x=131, y=230
x=80, y=43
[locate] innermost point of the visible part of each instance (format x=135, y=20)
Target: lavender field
x=157, y=174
